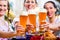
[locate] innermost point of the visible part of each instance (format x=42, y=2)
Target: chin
x=50, y=16
x=1, y=14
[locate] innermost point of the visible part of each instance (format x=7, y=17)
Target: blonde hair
x=7, y=6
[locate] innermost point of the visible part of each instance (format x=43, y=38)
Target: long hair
x=8, y=9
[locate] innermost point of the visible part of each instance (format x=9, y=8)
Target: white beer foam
x=32, y=11
x=37, y=9
x=24, y=13
x=43, y=10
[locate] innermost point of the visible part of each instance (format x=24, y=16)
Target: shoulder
x=16, y=19
x=58, y=18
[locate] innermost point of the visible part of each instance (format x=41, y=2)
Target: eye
x=32, y=2
x=27, y=2
x=4, y=5
x=50, y=7
x=46, y=8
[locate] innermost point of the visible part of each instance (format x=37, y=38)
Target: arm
x=7, y=34
x=56, y=28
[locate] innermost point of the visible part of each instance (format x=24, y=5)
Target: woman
x=5, y=31
x=28, y=5
x=53, y=21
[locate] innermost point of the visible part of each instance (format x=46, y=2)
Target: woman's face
x=3, y=7
x=30, y=4
x=50, y=9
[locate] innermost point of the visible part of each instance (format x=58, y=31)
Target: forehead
x=3, y=2
x=49, y=5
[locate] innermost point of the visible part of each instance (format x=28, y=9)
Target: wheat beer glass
x=22, y=21
x=42, y=18
x=32, y=18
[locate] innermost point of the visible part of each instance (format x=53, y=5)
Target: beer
x=23, y=20
x=32, y=18
x=42, y=17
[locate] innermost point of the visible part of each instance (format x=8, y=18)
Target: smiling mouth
x=29, y=7
x=0, y=9
x=49, y=14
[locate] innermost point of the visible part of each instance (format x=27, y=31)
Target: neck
x=51, y=19
x=1, y=17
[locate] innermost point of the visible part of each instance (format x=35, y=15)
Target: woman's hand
x=45, y=26
x=19, y=28
x=30, y=27
x=50, y=26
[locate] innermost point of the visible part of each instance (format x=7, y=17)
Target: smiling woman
x=30, y=4
x=52, y=20
x=3, y=7
x=5, y=31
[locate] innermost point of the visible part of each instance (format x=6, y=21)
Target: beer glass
x=42, y=18
x=22, y=22
x=32, y=18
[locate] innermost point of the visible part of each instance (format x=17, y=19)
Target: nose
x=1, y=8
x=48, y=10
x=30, y=3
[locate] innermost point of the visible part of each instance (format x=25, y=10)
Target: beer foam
x=37, y=9
x=32, y=11
x=24, y=13
x=43, y=10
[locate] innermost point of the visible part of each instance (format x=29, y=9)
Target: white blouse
x=4, y=27
x=56, y=22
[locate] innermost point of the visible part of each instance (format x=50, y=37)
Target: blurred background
x=17, y=5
